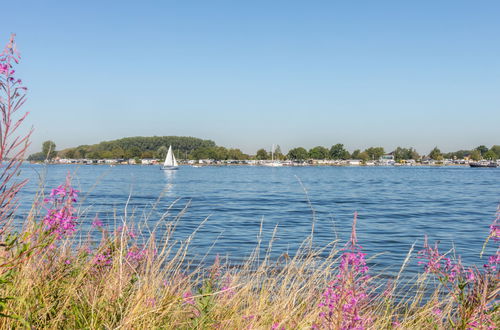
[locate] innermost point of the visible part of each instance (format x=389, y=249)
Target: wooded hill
x=139, y=146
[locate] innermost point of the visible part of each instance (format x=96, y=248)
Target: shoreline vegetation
x=63, y=268
x=194, y=151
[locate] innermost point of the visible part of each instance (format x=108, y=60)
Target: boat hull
x=491, y=165
x=170, y=168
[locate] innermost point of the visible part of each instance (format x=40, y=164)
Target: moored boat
x=483, y=164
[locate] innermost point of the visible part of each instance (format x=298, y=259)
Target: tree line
x=194, y=148
x=127, y=148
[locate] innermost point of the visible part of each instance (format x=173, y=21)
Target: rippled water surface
x=397, y=206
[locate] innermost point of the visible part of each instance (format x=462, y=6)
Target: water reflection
x=169, y=182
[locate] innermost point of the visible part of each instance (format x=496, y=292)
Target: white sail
x=170, y=159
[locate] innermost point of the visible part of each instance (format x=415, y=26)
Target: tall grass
x=54, y=274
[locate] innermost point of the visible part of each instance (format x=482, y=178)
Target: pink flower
x=60, y=218
x=188, y=298
x=96, y=223
x=102, y=259
x=135, y=254
x=436, y=311
x=470, y=275
x=344, y=297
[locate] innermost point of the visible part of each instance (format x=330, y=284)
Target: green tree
x=70, y=154
x=405, y=153
x=496, y=150
x=262, y=154
x=49, y=149
x=482, y=150
x=161, y=152
x=475, y=155
x=319, y=152
x=236, y=154
x=355, y=154
x=364, y=156
x=490, y=155
x=217, y=153
x=414, y=154
x=375, y=152
x=297, y=154
x=337, y=151
x=147, y=154
x=436, y=154
x=134, y=146
x=278, y=154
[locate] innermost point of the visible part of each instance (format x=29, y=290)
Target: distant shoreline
x=258, y=165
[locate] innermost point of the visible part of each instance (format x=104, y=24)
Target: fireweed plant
x=346, y=297
x=67, y=270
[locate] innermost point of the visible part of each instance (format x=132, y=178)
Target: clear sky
x=249, y=74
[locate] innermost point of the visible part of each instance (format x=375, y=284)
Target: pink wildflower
x=188, y=298
x=345, y=296
x=440, y=265
x=97, y=223
x=102, y=259
x=135, y=254
x=60, y=218
x=470, y=275
x=226, y=289
x=493, y=262
x=436, y=311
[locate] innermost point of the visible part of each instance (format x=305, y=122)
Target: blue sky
x=250, y=74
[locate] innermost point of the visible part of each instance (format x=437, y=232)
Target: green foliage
x=364, y=156
x=338, y=152
x=460, y=154
x=262, y=154
x=48, y=152
x=319, y=152
x=278, y=154
x=297, y=154
x=145, y=147
x=49, y=149
x=475, y=155
x=236, y=154
x=161, y=153
x=375, y=153
x=405, y=153
x=490, y=155
x=496, y=150
x=436, y=154
x=355, y=154
x=482, y=149
x=37, y=157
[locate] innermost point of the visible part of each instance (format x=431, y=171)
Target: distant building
x=387, y=159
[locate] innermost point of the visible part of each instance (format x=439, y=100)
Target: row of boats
x=483, y=164
x=171, y=164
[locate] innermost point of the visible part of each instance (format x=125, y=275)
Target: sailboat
x=273, y=163
x=170, y=162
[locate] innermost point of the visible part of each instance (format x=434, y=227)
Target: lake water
x=396, y=206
